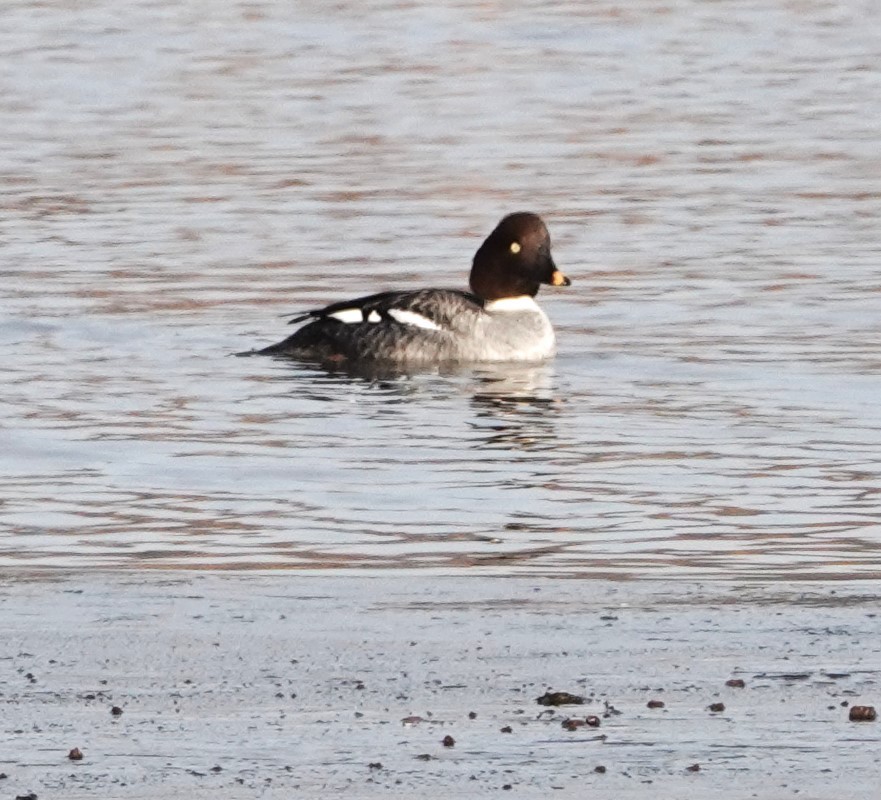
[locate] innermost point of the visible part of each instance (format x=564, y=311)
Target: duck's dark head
x=515, y=259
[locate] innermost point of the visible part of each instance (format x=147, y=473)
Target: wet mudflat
x=267, y=685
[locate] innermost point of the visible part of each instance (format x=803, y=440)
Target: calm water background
x=176, y=175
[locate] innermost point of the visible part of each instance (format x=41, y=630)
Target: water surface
x=175, y=176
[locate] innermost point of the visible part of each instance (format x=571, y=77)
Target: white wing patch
x=348, y=315
x=412, y=318
x=352, y=316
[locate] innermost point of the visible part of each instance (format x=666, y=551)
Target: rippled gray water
x=176, y=175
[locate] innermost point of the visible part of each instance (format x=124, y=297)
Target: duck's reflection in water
x=517, y=406
x=513, y=406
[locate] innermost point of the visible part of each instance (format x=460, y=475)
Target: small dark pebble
x=448, y=741
x=424, y=757
x=572, y=724
x=217, y=768
x=592, y=721
x=560, y=699
x=610, y=710
x=3, y=776
x=375, y=765
x=507, y=729
x=76, y=754
x=716, y=707
x=693, y=768
x=655, y=704
x=116, y=711
x=736, y=683
x=862, y=714
x=472, y=715
x=30, y=796
x=507, y=787
x=600, y=769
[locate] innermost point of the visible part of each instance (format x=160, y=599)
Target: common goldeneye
x=497, y=321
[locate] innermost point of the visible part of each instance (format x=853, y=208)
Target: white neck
x=522, y=302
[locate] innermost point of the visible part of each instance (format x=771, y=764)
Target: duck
x=498, y=320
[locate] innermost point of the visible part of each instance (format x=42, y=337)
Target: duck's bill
x=559, y=279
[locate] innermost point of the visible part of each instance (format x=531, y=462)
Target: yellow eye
x=515, y=247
